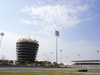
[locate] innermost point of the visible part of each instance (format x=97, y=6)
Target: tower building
x=26, y=49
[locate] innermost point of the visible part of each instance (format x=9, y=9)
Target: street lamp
x=66, y=60
x=79, y=56
x=1, y=34
x=43, y=57
x=60, y=56
x=37, y=57
x=98, y=53
x=51, y=57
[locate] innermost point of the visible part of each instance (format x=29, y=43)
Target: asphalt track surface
x=66, y=70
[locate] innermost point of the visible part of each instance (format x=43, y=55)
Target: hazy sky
x=78, y=22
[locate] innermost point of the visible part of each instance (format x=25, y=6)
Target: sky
x=76, y=20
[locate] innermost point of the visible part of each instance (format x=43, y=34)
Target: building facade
x=27, y=50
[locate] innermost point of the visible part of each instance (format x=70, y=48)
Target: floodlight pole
x=56, y=48
x=57, y=34
x=1, y=41
x=66, y=60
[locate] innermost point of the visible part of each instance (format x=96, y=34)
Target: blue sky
x=77, y=21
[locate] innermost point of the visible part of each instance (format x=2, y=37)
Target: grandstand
x=87, y=63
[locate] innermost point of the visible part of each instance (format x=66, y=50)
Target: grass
x=38, y=73
x=11, y=73
x=58, y=73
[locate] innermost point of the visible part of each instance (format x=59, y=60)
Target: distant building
x=26, y=50
x=87, y=63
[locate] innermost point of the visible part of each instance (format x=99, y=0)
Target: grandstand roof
x=87, y=61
